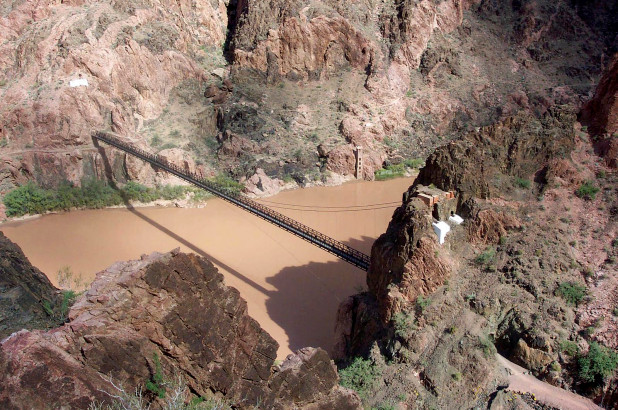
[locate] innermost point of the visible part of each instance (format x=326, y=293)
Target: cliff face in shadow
x=169, y=314
x=27, y=298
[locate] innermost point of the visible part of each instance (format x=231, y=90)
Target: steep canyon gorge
x=510, y=105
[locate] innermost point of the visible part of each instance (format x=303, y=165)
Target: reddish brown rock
x=234, y=145
x=299, y=46
x=173, y=306
x=488, y=226
x=261, y=184
x=405, y=256
x=520, y=146
x=132, y=56
x=601, y=112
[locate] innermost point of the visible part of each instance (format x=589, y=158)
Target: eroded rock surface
x=173, y=306
x=27, y=297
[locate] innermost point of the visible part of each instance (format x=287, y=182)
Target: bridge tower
x=359, y=162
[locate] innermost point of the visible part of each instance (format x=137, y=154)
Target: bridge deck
x=339, y=249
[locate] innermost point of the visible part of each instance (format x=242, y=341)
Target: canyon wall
x=289, y=88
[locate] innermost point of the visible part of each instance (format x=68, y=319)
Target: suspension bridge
x=337, y=248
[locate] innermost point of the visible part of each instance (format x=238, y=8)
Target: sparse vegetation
x=413, y=163
x=404, y=324
x=178, y=398
x=361, y=376
x=573, y=293
x=587, y=191
x=157, y=384
x=522, y=183
x=422, y=302
x=599, y=363
x=31, y=199
x=487, y=346
x=68, y=298
x=569, y=347
x=155, y=141
x=486, y=257
x=391, y=171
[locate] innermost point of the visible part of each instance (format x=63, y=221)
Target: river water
x=292, y=288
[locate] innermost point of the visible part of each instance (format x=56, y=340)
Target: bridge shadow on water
x=306, y=297
x=109, y=175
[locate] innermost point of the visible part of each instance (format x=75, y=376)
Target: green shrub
x=486, y=257
x=487, y=346
x=28, y=199
x=391, y=171
x=31, y=199
x=138, y=192
x=170, y=192
x=569, y=347
x=404, y=325
x=68, y=298
x=413, y=163
x=573, y=293
x=587, y=191
x=228, y=184
x=598, y=364
x=360, y=376
x=522, y=183
x=157, y=383
x=422, y=302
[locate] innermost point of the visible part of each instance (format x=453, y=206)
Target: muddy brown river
x=292, y=288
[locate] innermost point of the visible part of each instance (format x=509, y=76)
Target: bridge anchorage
x=339, y=249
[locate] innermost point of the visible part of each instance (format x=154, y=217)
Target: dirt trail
x=520, y=381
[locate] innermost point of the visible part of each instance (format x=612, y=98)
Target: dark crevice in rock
x=233, y=14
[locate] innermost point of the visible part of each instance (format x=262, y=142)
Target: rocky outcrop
x=601, y=115
x=487, y=226
x=520, y=146
x=27, y=298
x=280, y=40
x=261, y=184
x=601, y=112
x=172, y=308
x=404, y=261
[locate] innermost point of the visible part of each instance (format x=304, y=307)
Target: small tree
x=598, y=364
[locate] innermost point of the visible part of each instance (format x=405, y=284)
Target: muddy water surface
x=292, y=288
